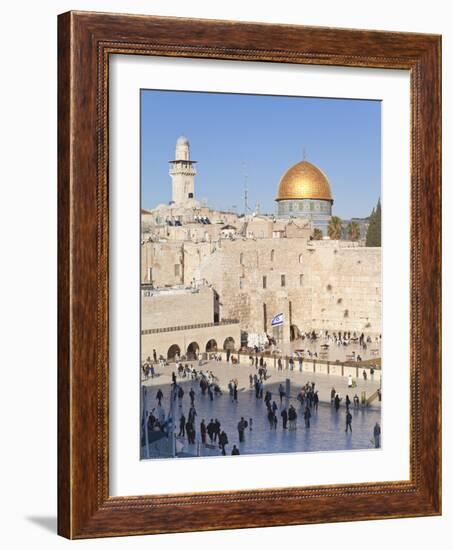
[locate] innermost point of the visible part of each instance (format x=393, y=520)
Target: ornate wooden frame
x=85, y=42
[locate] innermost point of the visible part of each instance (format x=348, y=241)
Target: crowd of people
x=211, y=434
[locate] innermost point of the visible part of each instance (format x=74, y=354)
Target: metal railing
x=189, y=327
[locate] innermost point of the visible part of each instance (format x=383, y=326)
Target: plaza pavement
x=327, y=431
x=227, y=371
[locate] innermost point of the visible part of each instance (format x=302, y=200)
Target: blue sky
x=266, y=135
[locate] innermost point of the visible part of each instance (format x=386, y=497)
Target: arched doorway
x=228, y=344
x=192, y=351
x=294, y=332
x=211, y=346
x=173, y=351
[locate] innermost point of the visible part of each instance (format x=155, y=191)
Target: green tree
x=353, y=231
x=334, y=228
x=373, y=235
x=317, y=234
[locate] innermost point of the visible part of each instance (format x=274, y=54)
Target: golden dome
x=304, y=181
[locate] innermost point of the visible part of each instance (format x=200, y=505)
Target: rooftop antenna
x=246, y=205
x=257, y=208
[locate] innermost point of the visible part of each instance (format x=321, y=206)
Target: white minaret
x=182, y=172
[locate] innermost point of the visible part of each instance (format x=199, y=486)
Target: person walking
x=203, y=432
x=350, y=381
x=377, y=435
x=190, y=432
x=284, y=415
x=231, y=390
x=211, y=429
x=292, y=417
x=281, y=391
x=192, y=396
x=242, y=424
x=348, y=420
x=348, y=402
x=182, y=424
x=257, y=389
x=333, y=393
x=223, y=440
x=337, y=402
x=307, y=416
x=270, y=417
x=192, y=414
x=159, y=396
x=316, y=400
x=216, y=429
x=235, y=392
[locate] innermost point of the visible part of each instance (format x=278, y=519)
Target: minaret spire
x=182, y=172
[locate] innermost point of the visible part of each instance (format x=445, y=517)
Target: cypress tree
x=373, y=235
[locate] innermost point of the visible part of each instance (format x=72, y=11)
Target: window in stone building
x=265, y=317
x=300, y=258
x=241, y=282
x=272, y=255
x=283, y=280
x=301, y=280
x=264, y=281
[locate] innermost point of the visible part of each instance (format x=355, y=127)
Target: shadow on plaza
x=326, y=432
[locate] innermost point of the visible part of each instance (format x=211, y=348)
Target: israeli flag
x=277, y=321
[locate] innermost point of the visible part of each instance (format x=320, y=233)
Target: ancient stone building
x=304, y=191
x=221, y=275
x=181, y=321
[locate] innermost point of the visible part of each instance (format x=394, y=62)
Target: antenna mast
x=246, y=193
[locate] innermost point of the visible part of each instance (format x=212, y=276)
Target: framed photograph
x=249, y=275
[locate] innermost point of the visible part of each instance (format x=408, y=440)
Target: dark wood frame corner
x=85, y=41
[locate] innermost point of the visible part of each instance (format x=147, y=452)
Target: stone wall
x=177, y=307
x=346, y=287
x=162, y=258
x=329, y=285
x=237, y=270
x=162, y=341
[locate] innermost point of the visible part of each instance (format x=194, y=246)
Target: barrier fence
x=319, y=366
